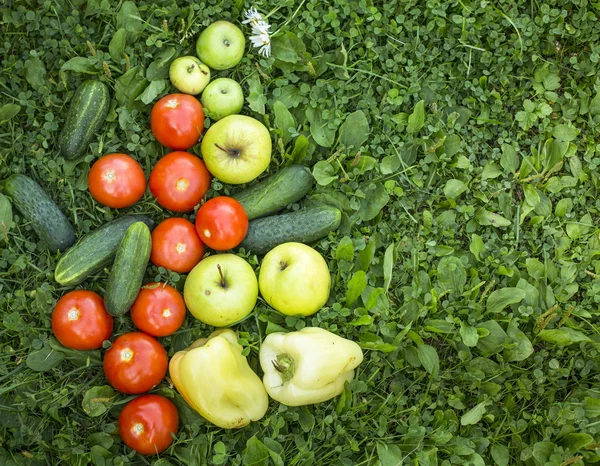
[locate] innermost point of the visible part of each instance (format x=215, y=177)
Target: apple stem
x=283, y=265
x=230, y=152
x=191, y=68
x=223, y=282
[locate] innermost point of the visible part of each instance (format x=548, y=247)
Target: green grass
x=460, y=140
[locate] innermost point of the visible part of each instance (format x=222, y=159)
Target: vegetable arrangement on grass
x=221, y=288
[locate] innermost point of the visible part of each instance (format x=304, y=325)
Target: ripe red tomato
x=146, y=424
x=176, y=245
x=135, y=363
x=117, y=181
x=222, y=223
x=159, y=309
x=177, y=121
x=80, y=321
x=179, y=181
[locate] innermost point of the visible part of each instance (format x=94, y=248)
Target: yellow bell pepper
x=215, y=379
x=308, y=366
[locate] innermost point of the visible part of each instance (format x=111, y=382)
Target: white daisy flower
x=252, y=16
x=263, y=41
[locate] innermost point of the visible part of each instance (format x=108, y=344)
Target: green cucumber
x=128, y=270
x=95, y=250
x=302, y=226
x=87, y=112
x=48, y=221
x=272, y=194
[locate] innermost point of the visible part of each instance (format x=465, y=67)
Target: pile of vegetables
x=221, y=289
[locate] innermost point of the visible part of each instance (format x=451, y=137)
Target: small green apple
x=294, y=279
x=221, y=290
x=189, y=75
x=222, y=97
x=236, y=149
x=221, y=45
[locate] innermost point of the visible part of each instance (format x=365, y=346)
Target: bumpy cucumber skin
x=51, y=225
x=95, y=250
x=127, y=273
x=303, y=226
x=85, y=117
x=272, y=194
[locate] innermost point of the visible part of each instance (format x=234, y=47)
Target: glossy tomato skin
x=221, y=223
x=135, y=363
x=146, y=424
x=117, y=181
x=80, y=321
x=177, y=121
x=176, y=245
x=179, y=181
x=159, y=309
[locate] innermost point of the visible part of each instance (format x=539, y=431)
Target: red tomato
x=159, y=309
x=135, y=363
x=146, y=424
x=179, y=181
x=222, y=223
x=176, y=245
x=80, y=321
x=177, y=121
x=117, y=181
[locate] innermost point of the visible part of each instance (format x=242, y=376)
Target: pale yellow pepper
x=215, y=379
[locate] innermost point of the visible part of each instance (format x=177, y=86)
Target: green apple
x=236, y=149
x=221, y=45
x=189, y=75
x=222, y=97
x=221, y=290
x=294, y=279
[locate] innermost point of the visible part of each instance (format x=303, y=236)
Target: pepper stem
x=284, y=364
x=223, y=282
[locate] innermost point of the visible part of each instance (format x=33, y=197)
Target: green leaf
x=98, y=400
x=454, y=188
x=377, y=198
x=365, y=319
x=477, y=246
x=8, y=111
x=300, y=147
x=493, y=342
x=128, y=18
x=389, y=455
x=44, y=359
x=287, y=47
x=520, y=347
x=416, y=119
x=490, y=171
x=6, y=217
x=321, y=133
x=370, y=341
x=504, y=297
x=354, y=131
x=595, y=105
x=485, y=217
x=256, y=98
x=563, y=336
x=429, y=358
x=388, y=266
x=451, y=274
x=474, y=415
x=79, y=65
x=306, y=419
x=159, y=68
x=283, y=121
x=99, y=455
x=152, y=91
x=255, y=453
x=565, y=132
x=509, y=159
x=468, y=334
x=500, y=454
x=345, y=249
x=452, y=145
x=324, y=173
x=116, y=46
x=576, y=441
x=35, y=72
x=129, y=86
x=356, y=285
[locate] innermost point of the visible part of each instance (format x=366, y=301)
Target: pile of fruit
x=221, y=288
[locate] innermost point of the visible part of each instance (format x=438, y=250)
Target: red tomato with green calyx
x=135, y=363
x=176, y=245
x=222, y=223
x=80, y=321
x=146, y=424
x=159, y=309
x=117, y=181
x=177, y=121
x=179, y=181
